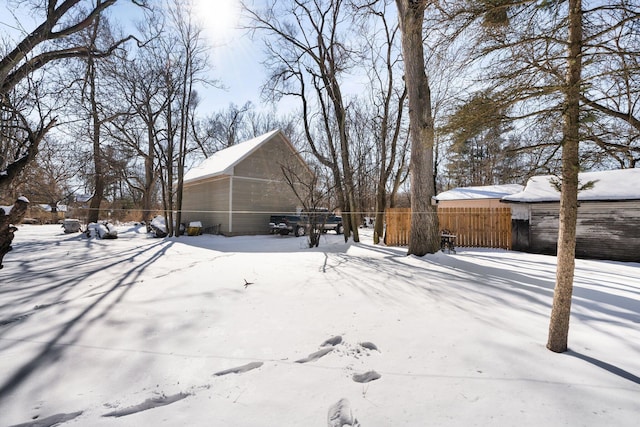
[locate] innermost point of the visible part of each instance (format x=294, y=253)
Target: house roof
x=59, y=208
x=621, y=184
x=222, y=162
x=480, y=192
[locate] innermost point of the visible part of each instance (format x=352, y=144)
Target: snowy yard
x=140, y=331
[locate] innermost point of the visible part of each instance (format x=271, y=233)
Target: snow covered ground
x=140, y=331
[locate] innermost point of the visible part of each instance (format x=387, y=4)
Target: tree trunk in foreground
x=424, y=237
x=561, y=311
x=7, y=228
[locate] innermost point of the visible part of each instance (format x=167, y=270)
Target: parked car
x=285, y=224
x=298, y=224
x=334, y=223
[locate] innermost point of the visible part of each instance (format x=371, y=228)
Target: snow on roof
x=7, y=209
x=621, y=184
x=481, y=192
x=223, y=161
x=59, y=208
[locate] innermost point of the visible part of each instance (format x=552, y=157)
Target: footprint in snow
x=369, y=345
x=240, y=369
x=317, y=355
x=332, y=341
x=366, y=377
x=340, y=415
x=53, y=420
x=151, y=403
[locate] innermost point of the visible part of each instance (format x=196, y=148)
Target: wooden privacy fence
x=473, y=227
x=398, y=225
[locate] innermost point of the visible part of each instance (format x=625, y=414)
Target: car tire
x=300, y=231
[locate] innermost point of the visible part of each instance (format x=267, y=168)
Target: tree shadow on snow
x=329, y=242
x=478, y=281
x=55, y=284
x=606, y=366
x=465, y=280
x=591, y=291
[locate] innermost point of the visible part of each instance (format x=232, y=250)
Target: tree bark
x=98, y=160
x=561, y=311
x=424, y=237
x=26, y=58
x=7, y=228
x=149, y=167
x=312, y=48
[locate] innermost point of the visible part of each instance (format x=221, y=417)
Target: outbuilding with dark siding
x=608, y=224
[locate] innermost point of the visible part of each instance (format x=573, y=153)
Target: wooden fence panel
x=398, y=221
x=474, y=227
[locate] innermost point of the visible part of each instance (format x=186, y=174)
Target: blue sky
x=234, y=57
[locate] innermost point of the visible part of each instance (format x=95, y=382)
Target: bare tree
x=611, y=118
x=20, y=136
x=93, y=99
x=227, y=127
x=194, y=63
x=63, y=20
x=309, y=55
x=162, y=102
x=49, y=178
x=424, y=237
x=46, y=44
x=139, y=82
x=387, y=103
x=313, y=192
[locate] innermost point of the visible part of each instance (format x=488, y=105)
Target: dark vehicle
x=298, y=224
x=334, y=223
x=285, y=224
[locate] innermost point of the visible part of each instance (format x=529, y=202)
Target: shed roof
x=222, y=162
x=620, y=184
x=480, y=192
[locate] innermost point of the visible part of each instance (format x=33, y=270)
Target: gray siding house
x=234, y=191
x=608, y=224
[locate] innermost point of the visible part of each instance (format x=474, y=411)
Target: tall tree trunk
x=386, y=167
x=424, y=237
x=350, y=216
x=182, y=149
x=149, y=171
x=189, y=36
x=561, y=311
x=98, y=160
x=378, y=225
